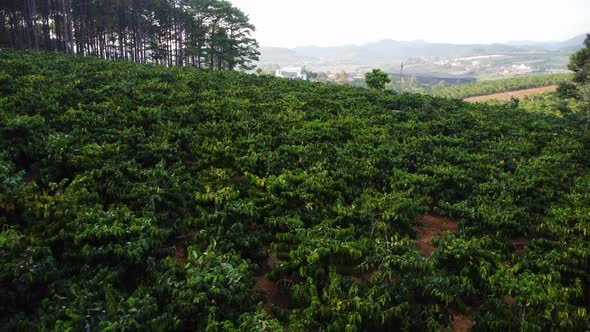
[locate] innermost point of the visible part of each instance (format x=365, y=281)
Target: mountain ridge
x=394, y=50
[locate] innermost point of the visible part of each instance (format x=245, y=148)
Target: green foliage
x=501, y=85
x=567, y=90
x=580, y=63
x=377, y=79
x=211, y=34
x=140, y=197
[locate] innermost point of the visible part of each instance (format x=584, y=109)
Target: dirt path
x=516, y=94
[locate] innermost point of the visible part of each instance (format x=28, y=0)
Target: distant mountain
x=569, y=45
x=284, y=56
x=399, y=50
x=394, y=51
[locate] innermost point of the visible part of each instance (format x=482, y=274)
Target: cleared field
x=516, y=94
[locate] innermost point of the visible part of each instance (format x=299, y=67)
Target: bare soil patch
x=521, y=243
x=365, y=277
x=462, y=323
x=180, y=254
x=432, y=227
x=516, y=94
x=509, y=300
x=519, y=246
x=180, y=245
x=272, y=290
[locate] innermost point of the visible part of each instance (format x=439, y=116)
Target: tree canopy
x=580, y=63
x=209, y=34
x=376, y=79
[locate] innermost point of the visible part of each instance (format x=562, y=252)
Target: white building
x=292, y=73
x=522, y=68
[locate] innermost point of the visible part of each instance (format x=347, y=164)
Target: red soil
x=27, y=178
x=270, y=288
x=272, y=260
x=462, y=323
x=509, y=300
x=433, y=226
x=273, y=293
x=180, y=254
x=516, y=94
x=520, y=243
x=366, y=277
x=181, y=245
x=519, y=246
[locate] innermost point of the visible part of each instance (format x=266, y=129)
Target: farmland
x=512, y=94
x=498, y=86
x=141, y=197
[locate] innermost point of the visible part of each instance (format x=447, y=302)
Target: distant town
x=424, y=64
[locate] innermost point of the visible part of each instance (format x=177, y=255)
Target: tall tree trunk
x=3, y=23
x=82, y=33
x=120, y=31
x=13, y=27
x=199, y=53
x=136, y=36
x=31, y=18
x=68, y=40
x=140, y=51
x=211, y=50
x=46, y=28
x=59, y=29
x=175, y=39
x=169, y=41
x=27, y=24
x=34, y=16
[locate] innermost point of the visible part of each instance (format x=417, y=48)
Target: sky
x=291, y=23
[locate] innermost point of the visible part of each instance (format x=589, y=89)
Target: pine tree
x=210, y=34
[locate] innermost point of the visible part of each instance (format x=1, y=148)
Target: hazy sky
x=290, y=23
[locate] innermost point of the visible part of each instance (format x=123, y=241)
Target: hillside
x=511, y=95
x=497, y=86
x=386, y=50
x=140, y=197
x=572, y=44
x=483, y=61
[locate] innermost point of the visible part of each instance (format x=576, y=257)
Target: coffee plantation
x=135, y=197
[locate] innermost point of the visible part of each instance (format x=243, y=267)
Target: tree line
x=208, y=34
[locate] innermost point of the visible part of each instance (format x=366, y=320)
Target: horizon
x=330, y=23
x=507, y=42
